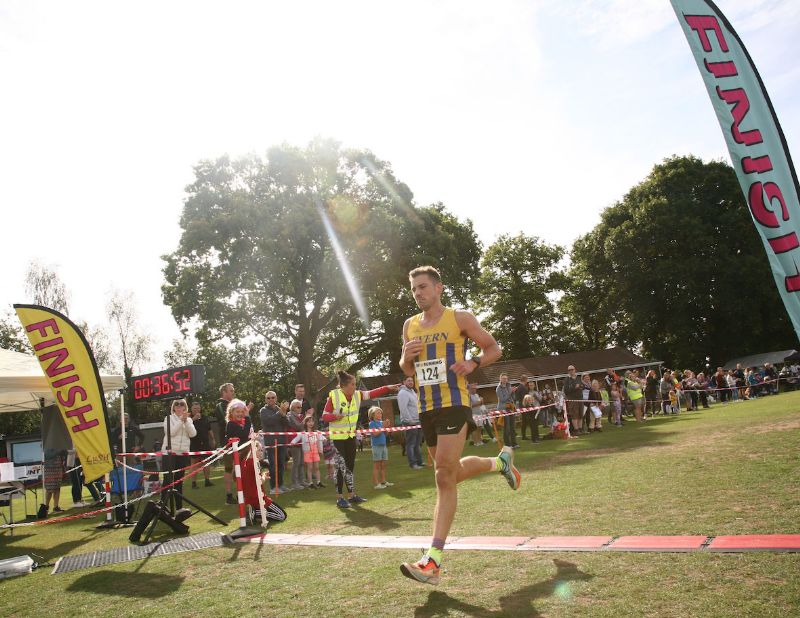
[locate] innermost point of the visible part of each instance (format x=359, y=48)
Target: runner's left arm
x=490, y=349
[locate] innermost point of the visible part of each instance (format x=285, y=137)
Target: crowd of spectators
x=579, y=404
x=589, y=399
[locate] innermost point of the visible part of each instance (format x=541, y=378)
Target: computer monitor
x=24, y=453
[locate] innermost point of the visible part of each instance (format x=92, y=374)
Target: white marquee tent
x=23, y=385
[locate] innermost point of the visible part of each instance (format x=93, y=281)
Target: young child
x=380, y=452
x=312, y=450
x=560, y=428
x=329, y=454
x=273, y=511
x=616, y=403
x=673, y=401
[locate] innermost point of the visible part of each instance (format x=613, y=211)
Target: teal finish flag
x=755, y=140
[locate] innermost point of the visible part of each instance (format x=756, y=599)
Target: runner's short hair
x=426, y=270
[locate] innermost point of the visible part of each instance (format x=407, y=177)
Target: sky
x=520, y=115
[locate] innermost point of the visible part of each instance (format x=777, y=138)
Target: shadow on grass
x=518, y=603
x=586, y=448
x=144, y=585
x=365, y=518
x=50, y=553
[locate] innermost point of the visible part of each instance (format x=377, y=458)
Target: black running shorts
x=445, y=421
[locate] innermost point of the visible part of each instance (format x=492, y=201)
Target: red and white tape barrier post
x=259, y=486
x=243, y=530
x=109, y=522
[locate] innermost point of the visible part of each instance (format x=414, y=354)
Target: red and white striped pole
x=243, y=530
x=237, y=470
x=109, y=516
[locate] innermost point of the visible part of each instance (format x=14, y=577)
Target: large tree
x=677, y=268
x=255, y=257
x=519, y=275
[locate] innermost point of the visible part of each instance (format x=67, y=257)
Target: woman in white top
x=181, y=431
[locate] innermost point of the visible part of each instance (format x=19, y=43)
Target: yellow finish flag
x=68, y=363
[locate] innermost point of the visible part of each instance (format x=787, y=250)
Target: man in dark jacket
x=573, y=393
x=274, y=419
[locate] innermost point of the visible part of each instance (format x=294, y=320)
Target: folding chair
x=135, y=489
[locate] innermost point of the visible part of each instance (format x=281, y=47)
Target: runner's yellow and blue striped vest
x=346, y=427
x=442, y=340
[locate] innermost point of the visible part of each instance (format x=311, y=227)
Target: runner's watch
x=476, y=360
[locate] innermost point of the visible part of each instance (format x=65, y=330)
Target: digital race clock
x=169, y=383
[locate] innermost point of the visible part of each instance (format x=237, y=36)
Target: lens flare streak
x=349, y=278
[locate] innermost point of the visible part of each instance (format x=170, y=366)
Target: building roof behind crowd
x=540, y=367
x=758, y=360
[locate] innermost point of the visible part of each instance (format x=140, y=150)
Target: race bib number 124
x=431, y=372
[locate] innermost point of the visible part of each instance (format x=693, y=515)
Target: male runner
x=434, y=346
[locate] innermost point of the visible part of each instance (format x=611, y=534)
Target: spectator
x=616, y=404
x=203, y=441
x=733, y=391
x=610, y=379
x=311, y=445
x=586, y=391
x=548, y=401
x=226, y=393
x=134, y=438
x=329, y=453
x=595, y=407
x=690, y=385
x=739, y=374
x=702, y=389
x=274, y=420
x=52, y=478
x=478, y=412
x=341, y=411
x=380, y=452
x=237, y=426
x=721, y=384
x=651, y=393
x=505, y=395
x=408, y=402
x=527, y=419
x=300, y=395
x=665, y=387
x=573, y=393
x=754, y=382
x=295, y=417
x=178, y=432
x=770, y=379
x=634, y=388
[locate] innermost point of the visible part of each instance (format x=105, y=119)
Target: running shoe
x=509, y=471
x=424, y=571
x=380, y=486
x=342, y=503
x=388, y=484
x=357, y=500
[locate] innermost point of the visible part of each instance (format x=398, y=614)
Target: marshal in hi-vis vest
x=443, y=345
x=346, y=427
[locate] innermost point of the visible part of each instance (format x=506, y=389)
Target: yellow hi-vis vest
x=346, y=427
x=634, y=390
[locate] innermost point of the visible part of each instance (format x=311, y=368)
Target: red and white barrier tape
x=393, y=429
x=162, y=453
x=86, y=514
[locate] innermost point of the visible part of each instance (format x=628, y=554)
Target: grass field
x=729, y=470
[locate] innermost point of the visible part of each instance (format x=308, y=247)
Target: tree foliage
x=519, y=275
x=254, y=258
x=677, y=268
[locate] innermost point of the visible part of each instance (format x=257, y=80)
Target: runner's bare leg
x=451, y=469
